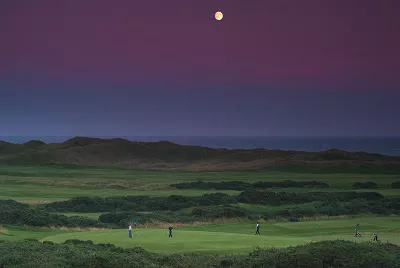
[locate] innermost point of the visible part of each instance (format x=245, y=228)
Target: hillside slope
x=123, y=153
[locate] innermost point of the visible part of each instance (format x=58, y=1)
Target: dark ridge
x=34, y=143
x=117, y=152
x=4, y=143
x=82, y=141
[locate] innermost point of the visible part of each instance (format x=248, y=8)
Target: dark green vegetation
x=214, y=206
x=81, y=151
x=396, y=185
x=365, y=185
x=240, y=186
x=119, y=211
x=83, y=254
x=12, y=212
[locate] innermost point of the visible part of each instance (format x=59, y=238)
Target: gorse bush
x=241, y=186
x=122, y=219
x=12, y=212
x=334, y=208
x=396, y=185
x=178, y=202
x=75, y=253
x=197, y=214
x=138, y=203
x=273, y=198
x=365, y=185
x=119, y=210
x=220, y=212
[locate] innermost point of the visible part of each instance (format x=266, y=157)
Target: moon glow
x=218, y=15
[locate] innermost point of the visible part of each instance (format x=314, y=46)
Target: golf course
x=212, y=211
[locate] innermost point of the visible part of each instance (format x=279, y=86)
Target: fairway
x=225, y=238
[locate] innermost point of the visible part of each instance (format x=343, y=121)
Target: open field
x=224, y=238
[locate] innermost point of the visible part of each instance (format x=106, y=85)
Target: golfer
x=130, y=230
x=375, y=237
x=170, y=232
x=257, y=229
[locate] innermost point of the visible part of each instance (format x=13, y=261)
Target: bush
x=220, y=212
x=138, y=203
x=75, y=253
x=122, y=219
x=365, y=185
x=335, y=208
x=290, y=184
x=396, y=185
x=178, y=202
x=241, y=186
x=278, y=198
x=20, y=214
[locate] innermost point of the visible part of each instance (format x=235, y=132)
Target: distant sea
x=381, y=145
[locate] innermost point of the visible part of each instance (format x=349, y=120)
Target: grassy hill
x=84, y=151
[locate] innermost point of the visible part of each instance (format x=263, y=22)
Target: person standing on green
x=257, y=229
x=170, y=232
x=130, y=230
x=375, y=237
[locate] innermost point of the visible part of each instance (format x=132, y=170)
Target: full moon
x=218, y=15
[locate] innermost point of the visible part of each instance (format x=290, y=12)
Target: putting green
x=183, y=241
x=240, y=237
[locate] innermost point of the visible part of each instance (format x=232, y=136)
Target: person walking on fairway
x=130, y=230
x=357, y=233
x=375, y=237
x=257, y=229
x=170, y=232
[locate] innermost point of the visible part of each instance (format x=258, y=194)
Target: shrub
x=290, y=184
x=20, y=214
x=75, y=253
x=396, y=185
x=277, y=198
x=241, y=186
x=220, y=212
x=365, y=185
x=138, y=203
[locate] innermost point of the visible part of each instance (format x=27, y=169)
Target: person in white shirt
x=130, y=230
x=257, y=229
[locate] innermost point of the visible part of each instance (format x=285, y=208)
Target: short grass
x=21, y=233
x=39, y=184
x=227, y=238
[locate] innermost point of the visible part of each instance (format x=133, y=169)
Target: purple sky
x=156, y=67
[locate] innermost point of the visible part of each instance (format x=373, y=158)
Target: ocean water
x=381, y=145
